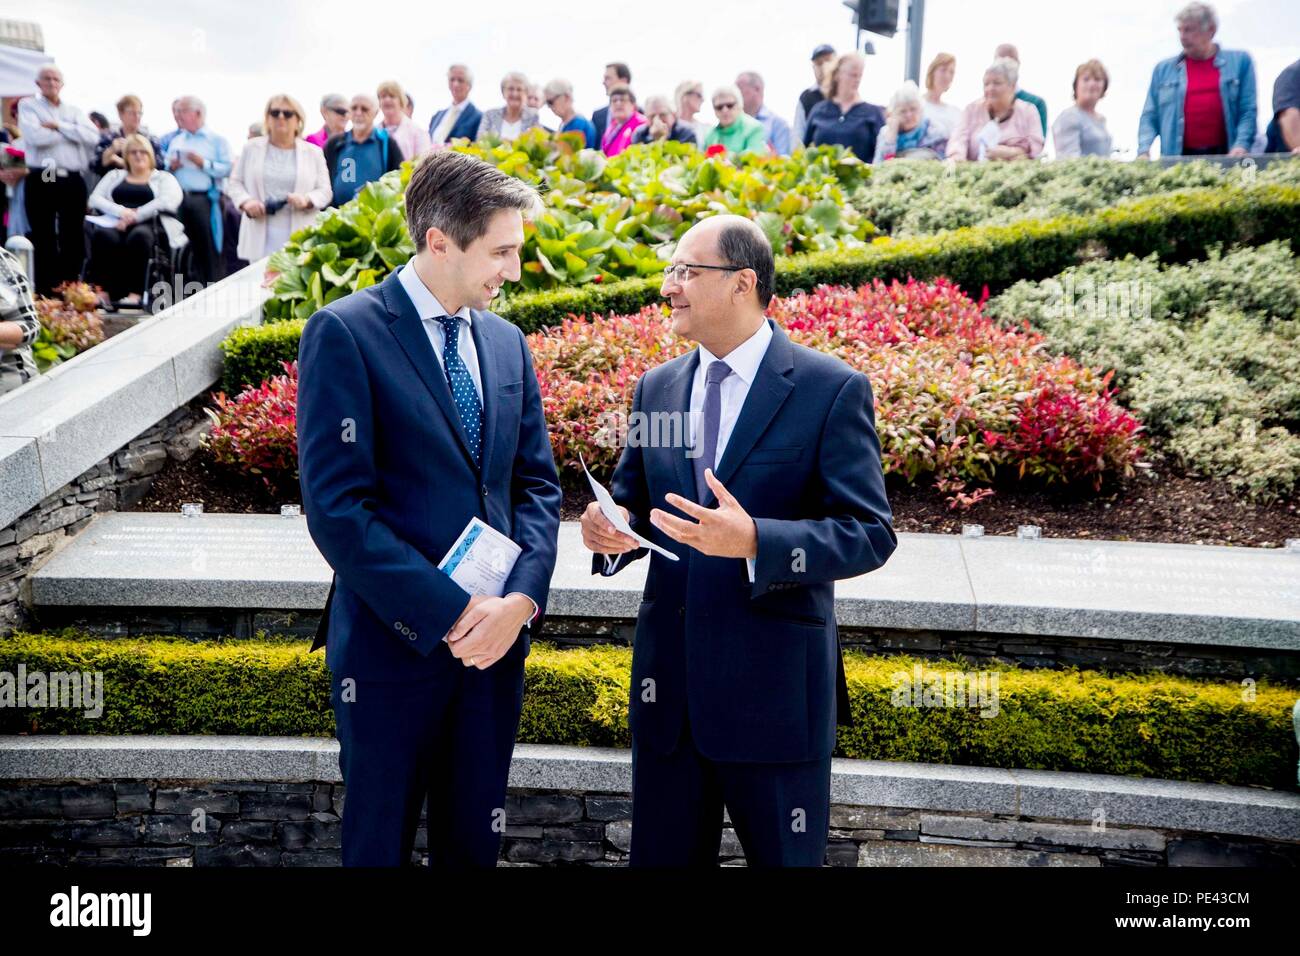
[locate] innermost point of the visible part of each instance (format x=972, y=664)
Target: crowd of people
x=145, y=193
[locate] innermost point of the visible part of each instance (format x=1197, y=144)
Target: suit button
x=397, y=624
x=412, y=636
x=485, y=491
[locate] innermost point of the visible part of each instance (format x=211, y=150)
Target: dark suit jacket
x=466, y=124
x=680, y=133
x=757, y=666
x=599, y=119
x=388, y=481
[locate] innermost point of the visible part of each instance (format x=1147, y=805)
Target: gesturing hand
x=487, y=628
x=726, y=531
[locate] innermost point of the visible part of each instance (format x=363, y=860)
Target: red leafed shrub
x=957, y=397
x=256, y=430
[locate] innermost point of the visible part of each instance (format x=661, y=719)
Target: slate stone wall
x=243, y=823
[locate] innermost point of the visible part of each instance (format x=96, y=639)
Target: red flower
x=717, y=149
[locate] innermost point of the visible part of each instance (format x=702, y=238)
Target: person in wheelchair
x=136, y=199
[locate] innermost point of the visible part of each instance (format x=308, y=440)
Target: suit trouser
x=196, y=216
x=781, y=811
x=57, y=211
x=449, y=739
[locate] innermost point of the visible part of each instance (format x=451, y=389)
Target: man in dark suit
x=418, y=410
x=616, y=74
x=461, y=118
x=737, y=678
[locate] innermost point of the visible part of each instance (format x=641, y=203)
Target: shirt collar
x=426, y=303
x=746, y=357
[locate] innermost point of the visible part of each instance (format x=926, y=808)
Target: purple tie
x=713, y=376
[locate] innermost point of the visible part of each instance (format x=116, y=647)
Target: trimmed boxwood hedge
x=1145, y=725
x=1177, y=226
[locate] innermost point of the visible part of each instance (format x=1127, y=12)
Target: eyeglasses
x=725, y=106
x=338, y=111
x=281, y=114
x=677, y=273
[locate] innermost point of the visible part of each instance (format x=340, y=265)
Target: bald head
x=734, y=241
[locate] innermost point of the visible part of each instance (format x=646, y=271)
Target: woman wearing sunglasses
x=737, y=131
x=279, y=181
x=334, y=111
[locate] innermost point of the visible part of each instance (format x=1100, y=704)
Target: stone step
x=1123, y=591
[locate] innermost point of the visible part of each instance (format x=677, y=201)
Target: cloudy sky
x=235, y=53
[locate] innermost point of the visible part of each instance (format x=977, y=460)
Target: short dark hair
x=623, y=90
x=744, y=244
x=621, y=71
x=457, y=193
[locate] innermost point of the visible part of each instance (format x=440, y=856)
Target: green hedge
x=254, y=353
x=1176, y=226
x=1138, y=725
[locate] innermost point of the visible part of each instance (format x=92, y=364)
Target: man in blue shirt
x=199, y=159
x=778, y=130
x=361, y=154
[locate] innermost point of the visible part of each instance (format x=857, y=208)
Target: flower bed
x=1208, y=353
x=957, y=398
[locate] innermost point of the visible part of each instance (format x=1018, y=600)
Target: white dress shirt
x=68, y=147
x=443, y=129
x=429, y=309
x=744, y=361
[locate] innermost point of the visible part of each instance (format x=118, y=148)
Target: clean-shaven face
x=491, y=260
x=702, y=300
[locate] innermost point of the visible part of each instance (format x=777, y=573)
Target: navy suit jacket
x=599, y=119
x=388, y=482
x=466, y=124
x=757, y=666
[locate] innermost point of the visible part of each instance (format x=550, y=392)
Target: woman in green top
x=736, y=130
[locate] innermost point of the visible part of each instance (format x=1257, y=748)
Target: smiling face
x=702, y=302
x=515, y=93
x=489, y=262
x=458, y=84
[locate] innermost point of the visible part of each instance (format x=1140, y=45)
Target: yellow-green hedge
x=1145, y=725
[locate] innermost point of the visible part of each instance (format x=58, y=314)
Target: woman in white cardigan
x=279, y=181
x=135, y=199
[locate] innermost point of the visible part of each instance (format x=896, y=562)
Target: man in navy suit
x=616, y=74
x=418, y=409
x=737, y=677
x=461, y=118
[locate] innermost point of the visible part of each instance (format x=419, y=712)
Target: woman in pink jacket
x=999, y=126
x=624, y=121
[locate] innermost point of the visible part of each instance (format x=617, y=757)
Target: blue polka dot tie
x=462, y=387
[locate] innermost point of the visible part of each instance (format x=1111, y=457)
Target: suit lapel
x=677, y=401
x=490, y=375
x=770, y=389
x=409, y=331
